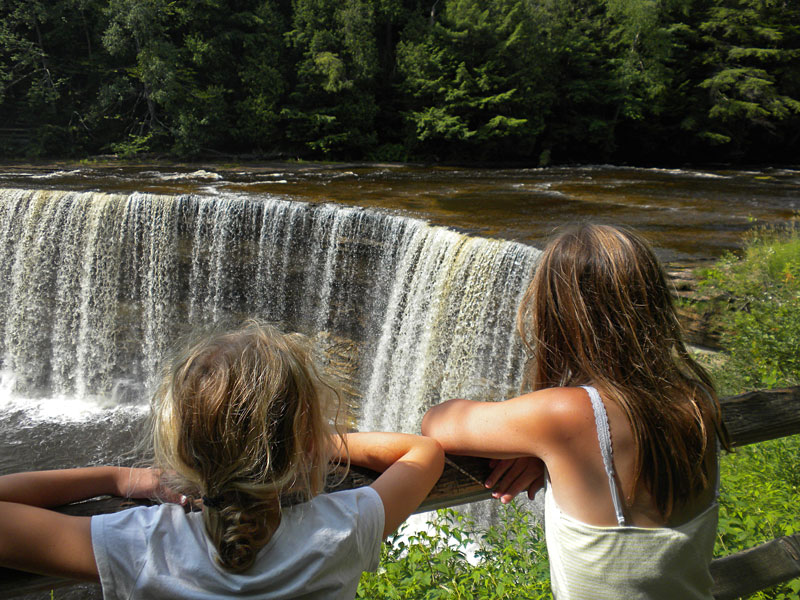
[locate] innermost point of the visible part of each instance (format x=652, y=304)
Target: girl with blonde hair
x=621, y=425
x=241, y=423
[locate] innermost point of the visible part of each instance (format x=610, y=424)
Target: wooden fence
x=752, y=417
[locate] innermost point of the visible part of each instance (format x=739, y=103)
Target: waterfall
x=95, y=288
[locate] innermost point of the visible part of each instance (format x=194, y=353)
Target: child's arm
x=410, y=466
x=43, y=541
x=48, y=489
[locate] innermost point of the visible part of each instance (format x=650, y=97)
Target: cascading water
x=96, y=287
x=448, y=327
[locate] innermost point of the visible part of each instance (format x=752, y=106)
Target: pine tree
x=331, y=107
x=473, y=76
x=752, y=76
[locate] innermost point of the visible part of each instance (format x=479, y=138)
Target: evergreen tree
x=643, y=39
x=231, y=66
x=50, y=69
x=535, y=80
x=138, y=35
x=586, y=96
x=206, y=76
x=473, y=75
x=331, y=107
x=753, y=78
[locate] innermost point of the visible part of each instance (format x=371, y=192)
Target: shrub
x=757, y=307
x=452, y=559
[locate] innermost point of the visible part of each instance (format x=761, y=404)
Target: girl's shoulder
x=563, y=407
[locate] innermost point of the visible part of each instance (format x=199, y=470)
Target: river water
x=406, y=277
x=687, y=214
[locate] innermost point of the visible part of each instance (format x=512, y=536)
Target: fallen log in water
x=751, y=417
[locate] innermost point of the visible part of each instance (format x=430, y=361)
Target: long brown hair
x=240, y=419
x=599, y=312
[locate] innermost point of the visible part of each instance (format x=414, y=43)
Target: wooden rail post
x=758, y=568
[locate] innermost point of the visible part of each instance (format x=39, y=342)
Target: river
x=688, y=214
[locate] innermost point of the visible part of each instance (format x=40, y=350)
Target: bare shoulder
x=563, y=412
x=533, y=424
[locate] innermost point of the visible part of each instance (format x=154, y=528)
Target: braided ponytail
x=241, y=419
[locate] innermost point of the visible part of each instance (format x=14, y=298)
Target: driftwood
x=749, y=418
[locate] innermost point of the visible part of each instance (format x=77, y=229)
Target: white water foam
x=60, y=408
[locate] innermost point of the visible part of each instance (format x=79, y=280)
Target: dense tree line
x=533, y=81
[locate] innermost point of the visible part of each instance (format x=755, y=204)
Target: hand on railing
x=510, y=476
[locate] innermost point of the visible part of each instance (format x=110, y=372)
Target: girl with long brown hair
x=621, y=424
x=241, y=422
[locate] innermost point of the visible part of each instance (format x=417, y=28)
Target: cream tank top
x=588, y=562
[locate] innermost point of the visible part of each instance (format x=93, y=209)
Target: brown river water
x=689, y=215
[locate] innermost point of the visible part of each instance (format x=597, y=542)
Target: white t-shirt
x=318, y=552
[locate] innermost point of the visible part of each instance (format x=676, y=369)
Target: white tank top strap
x=716, y=485
x=604, y=437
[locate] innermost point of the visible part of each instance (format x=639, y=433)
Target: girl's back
x=594, y=535
x=580, y=480
x=319, y=550
x=599, y=314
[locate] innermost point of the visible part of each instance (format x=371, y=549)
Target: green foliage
x=472, y=85
x=585, y=97
x=541, y=82
x=759, y=490
x=760, y=486
x=752, y=46
x=134, y=146
x=191, y=59
x=510, y=561
x=758, y=310
x=331, y=107
x=756, y=305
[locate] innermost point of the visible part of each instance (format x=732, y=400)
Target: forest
x=522, y=82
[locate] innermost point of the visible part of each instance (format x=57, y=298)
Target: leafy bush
x=757, y=306
x=452, y=559
x=760, y=486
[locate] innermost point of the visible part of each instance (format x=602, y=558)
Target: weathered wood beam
x=460, y=483
x=762, y=415
x=749, y=418
x=759, y=568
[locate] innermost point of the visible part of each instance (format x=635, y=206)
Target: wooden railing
x=749, y=418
